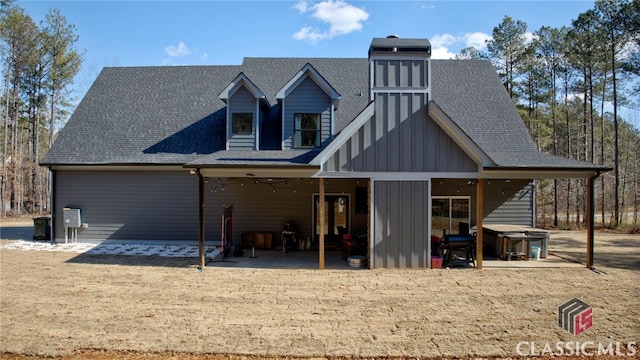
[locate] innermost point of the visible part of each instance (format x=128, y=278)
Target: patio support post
x=201, y=218
x=479, y=216
x=590, y=220
x=321, y=211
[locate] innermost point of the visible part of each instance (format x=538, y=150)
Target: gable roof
x=309, y=71
x=240, y=81
x=471, y=94
x=174, y=115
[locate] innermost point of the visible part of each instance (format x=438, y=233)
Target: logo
x=575, y=316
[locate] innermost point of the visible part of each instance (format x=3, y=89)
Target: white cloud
x=177, y=51
x=529, y=37
x=302, y=6
x=422, y=5
x=310, y=34
x=443, y=44
x=443, y=40
x=441, y=52
x=341, y=17
x=477, y=40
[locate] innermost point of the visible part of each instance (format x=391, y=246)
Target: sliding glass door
x=450, y=215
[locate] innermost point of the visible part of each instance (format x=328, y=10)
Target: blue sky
x=153, y=33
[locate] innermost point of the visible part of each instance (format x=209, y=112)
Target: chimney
x=394, y=44
x=397, y=64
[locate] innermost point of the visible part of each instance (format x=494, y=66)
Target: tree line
x=39, y=63
x=568, y=84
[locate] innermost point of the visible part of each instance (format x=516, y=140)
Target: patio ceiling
x=260, y=172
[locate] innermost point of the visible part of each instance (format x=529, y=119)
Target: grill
x=458, y=243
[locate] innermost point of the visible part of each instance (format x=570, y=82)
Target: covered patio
x=321, y=256
x=274, y=259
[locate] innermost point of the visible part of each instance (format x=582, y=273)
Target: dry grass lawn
x=129, y=307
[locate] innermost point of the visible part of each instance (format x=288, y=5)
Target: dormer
x=243, y=99
x=308, y=103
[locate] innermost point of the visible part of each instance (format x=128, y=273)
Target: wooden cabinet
x=262, y=240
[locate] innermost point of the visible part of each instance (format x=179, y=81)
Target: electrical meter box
x=71, y=218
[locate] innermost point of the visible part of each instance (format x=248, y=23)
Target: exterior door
x=336, y=218
x=448, y=213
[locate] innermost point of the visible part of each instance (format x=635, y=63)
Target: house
x=400, y=147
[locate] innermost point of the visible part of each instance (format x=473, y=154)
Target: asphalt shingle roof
x=472, y=95
x=173, y=115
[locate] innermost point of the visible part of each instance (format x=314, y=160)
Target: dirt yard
x=148, y=307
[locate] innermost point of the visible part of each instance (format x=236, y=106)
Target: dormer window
x=246, y=106
x=308, y=104
x=307, y=130
x=242, y=123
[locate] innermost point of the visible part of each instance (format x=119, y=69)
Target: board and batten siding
x=401, y=73
x=307, y=98
x=242, y=101
x=402, y=138
x=400, y=224
x=129, y=205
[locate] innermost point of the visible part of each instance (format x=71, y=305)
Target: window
x=448, y=213
x=307, y=130
x=242, y=123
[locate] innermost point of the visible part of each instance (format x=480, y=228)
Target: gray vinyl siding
x=130, y=205
x=163, y=206
x=513, y=207
x=401, y=73
x=402, y=139
x=400, y=234
x=258, y=208
x=308, y=97
x=505, y=201
x=242, y=102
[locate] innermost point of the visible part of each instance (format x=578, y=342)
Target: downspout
x=52, y=204
x=590, y=226
x=534, y=220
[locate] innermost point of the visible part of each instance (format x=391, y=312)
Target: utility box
x=71, y=218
